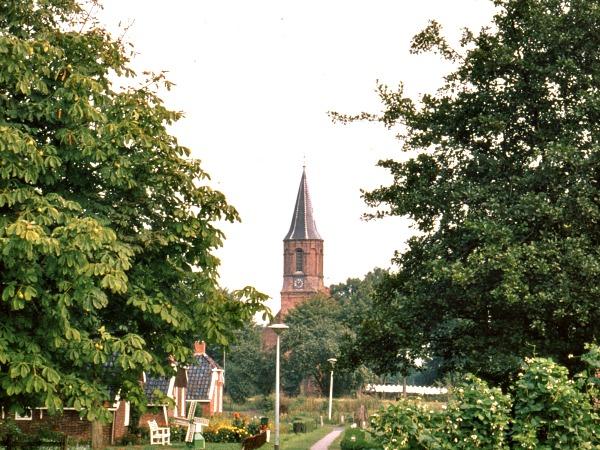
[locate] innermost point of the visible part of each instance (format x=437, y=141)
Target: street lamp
x=278, y=328
x=332, y=361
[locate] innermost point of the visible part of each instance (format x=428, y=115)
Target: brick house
x=202, y=381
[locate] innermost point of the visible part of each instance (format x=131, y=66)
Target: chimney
x=199, y=348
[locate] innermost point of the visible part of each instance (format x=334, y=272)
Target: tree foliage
x=314, y=336
x=249, y=369
x=107, y=225
x=501, y=181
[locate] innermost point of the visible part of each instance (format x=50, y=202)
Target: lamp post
x=332, y=361
x=278, y=328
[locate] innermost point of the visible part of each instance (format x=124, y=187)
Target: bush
x=550, y=412
x=477, y=417
x=178, y=433
x=355, y=439
x=226, y=433
x=267, y=403
x=254, y=427
x=405, y=424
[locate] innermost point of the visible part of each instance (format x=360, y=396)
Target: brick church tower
x=302, y=255
x=302, y=260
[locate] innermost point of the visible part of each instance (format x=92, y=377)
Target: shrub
x=178, y=433
x=225, y=433
x=267, y=403
x=406, y=424
x=589, y=380
x=550, y=412
x=254, y=427
x=355, y=439
x=477, y=416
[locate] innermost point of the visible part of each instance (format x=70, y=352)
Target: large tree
x=321, y=328
x=249, y=370
x=500, y=176
x=314, y=336
x=107, y=227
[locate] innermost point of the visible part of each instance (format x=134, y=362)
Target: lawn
x=209, y=446
x=300, y=441
x=288, y=441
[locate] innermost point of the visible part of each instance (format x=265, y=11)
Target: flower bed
x=234, y=429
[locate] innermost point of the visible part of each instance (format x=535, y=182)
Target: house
x=202, y=382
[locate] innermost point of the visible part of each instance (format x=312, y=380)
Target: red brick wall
x=206, y=410
x=119, y=428
x=313, y=264
x=312, y=274
x=69, y=423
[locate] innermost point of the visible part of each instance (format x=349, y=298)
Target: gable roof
x=200, y=376
x=303, y=224
x=152, y=384
x=198, y=380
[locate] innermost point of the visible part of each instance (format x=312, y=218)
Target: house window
x=27, y=415
x=299, y=260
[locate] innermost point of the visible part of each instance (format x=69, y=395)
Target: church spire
x=303, y=224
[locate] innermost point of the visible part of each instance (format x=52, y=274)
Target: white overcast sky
x=256, y=79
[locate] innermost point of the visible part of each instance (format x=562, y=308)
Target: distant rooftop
x=303, y=224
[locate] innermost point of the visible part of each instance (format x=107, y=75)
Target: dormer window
x=299, y=260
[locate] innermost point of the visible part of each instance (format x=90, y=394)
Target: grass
x=335, y=445
x=209, y=446
x=303, y=405
x=288, y=441
x=300, y=441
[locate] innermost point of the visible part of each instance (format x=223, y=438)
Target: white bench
x=159, y=435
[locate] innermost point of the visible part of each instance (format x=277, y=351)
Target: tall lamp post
x=278, y=328
x=332, y=361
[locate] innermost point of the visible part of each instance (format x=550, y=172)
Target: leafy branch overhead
x=107, y=229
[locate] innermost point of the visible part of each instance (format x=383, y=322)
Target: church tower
x=302, y=255
x=302, y=260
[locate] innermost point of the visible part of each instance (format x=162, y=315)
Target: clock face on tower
x=298, y=282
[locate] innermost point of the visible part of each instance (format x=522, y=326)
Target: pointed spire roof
x=303, y=224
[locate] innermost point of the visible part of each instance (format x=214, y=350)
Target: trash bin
x=298, y=426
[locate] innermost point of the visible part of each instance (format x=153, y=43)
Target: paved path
x=324, y=443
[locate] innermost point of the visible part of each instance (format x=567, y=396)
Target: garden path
x=324, y=443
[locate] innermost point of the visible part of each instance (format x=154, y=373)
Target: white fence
x=399, y=389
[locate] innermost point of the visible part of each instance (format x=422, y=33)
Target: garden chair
x=159, y=435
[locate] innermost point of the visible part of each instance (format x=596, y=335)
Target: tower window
x=299, y=260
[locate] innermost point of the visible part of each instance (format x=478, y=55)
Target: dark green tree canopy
x=314, y=336
x=107, y=225
x=249, y=369
x=503, y=192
